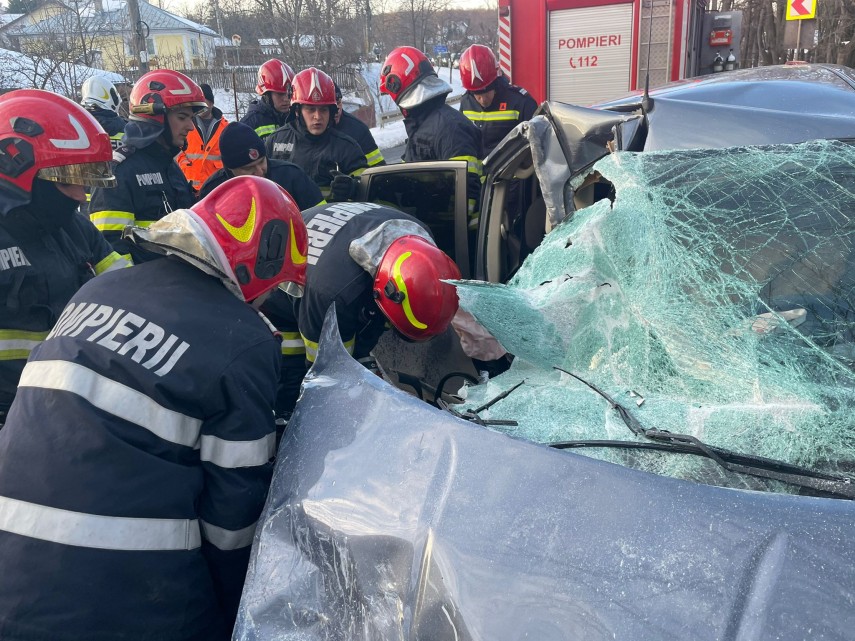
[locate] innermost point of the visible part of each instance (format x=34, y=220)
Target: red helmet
x=313, y=87
x=158, y=91
x=261, y=232
x=478, y=68
x=409, y=78
x=408, y=290
x=50, y=137
x=274, y=75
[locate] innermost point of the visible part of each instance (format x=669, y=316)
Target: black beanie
x=207, y=91
x=240, y=145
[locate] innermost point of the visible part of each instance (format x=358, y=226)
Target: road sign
x=801, y=9
x=438, y=49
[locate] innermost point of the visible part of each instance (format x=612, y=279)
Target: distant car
x=688, y=324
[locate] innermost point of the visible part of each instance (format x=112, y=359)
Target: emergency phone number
x=580, y=62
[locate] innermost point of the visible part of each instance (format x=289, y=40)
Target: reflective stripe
x=96, y=531
x=117, y=136
x=212, y=157
x=111, y=262
x=473, y=165
x=224, y=539
x=265, y=130
x=111, y=220
x=114, y=398
x=16, y=344
x=292, y=344
x=374, y=157
x=491, y=116
x=232, y=454
x=312, y=348
x=358, y=172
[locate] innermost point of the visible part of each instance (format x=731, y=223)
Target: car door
x=434, y=192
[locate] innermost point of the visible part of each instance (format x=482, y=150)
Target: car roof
x=765, y=105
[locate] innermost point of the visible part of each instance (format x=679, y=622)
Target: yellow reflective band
x=292, y=344
x=491, y=116
x=374, y=157
x=473, y=165
x=265, y=130
x=111, y=220
x=16, y=344
x=312, y=348
x=296, y=257
x=357, y=172
x=402, y=287
x=110, y=262
x=243, y=233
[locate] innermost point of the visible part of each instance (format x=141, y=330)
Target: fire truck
x=588, y=51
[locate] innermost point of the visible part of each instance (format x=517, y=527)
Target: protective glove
x=342, y=187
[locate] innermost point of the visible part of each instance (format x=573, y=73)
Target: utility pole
x=138, y=38
x=368, y=40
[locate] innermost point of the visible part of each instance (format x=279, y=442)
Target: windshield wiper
x=833, y=484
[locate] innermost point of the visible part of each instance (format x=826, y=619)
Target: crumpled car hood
x=389, y=519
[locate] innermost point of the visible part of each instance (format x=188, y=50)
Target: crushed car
x=671, y=454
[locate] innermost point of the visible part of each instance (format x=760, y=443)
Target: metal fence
x=243, y=79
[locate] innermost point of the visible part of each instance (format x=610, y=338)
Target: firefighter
x=201, y=155
x=490, y=101
x=244, y=155
x=50, y=150
x=380, y=267
x=435, y=131
x=272, y=109
x=138, y=453
x=310, y=142
x=101, y=98
x=358, y=130
x=149, y=182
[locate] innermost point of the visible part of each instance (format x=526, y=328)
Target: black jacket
x=332, y=276
x=41, y=267
x=149, y=185
x=146, y=417
x=112, y=123
x=359, y=131
x=318, y=156
x=511, y=106
x=438, y=132
x=285, y=174
x=263, y=118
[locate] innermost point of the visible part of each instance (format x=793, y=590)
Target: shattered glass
x=714, y=297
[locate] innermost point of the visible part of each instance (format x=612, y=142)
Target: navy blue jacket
x=149, y=185
x=438, y=132
x=263, y=118
x=41, y=267
x=135, y=462
x=511, y=105
x=285, y=174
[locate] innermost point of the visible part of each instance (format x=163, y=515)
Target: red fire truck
x=588, y=51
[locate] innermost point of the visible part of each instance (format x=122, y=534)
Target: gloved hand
x=342, y=187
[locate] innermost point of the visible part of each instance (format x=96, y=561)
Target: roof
x=22, y=72
x=6, y=18
x=158, y=20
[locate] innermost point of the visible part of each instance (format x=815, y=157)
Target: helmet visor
x=291, y=288
x=197, y=107
x=90, y=174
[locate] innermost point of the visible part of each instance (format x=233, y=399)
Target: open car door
x=435, y=193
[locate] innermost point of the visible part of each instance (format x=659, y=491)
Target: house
x=100, y=35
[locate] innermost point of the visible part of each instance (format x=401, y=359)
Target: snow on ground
x=388, y=134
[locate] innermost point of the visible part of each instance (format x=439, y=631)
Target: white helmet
x=97, y=91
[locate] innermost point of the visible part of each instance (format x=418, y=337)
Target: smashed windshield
x=714, y=298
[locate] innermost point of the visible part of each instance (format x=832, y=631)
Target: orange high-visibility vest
x=198, y=160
